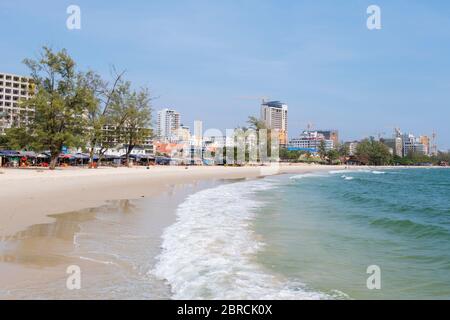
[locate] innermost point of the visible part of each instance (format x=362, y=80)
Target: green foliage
x=131, y=112
x=99, y=118
x=322, y=150
x=332, y=156
x=255, y=123
x=290, y=155
x=344, y=150
x=17, y=139
x=371, y=152
x=60, y=103
x=414, y=158
x=442, y=156
x=4, y=142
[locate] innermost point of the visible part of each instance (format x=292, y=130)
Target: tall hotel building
x=168, y=123
x=13, y=89
x=275, y=116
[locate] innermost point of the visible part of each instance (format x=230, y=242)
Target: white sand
x=27, y=197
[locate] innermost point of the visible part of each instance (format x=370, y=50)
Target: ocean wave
x=347, y=177
x=209, y=252
x=308, y=175
x=411, y=228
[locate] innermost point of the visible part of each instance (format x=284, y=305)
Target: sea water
x=313, y=236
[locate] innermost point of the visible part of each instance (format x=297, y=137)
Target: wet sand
x=114, y=245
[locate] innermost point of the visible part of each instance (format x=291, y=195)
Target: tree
x=131, y=111
x=344, y=150
x=290, y=155
x=332, y=156
x=255, y=123
x=322, y=150
x=371, y=152
x=4, y=142
x=99, y=116
x=259, y=125
x=17, y=138
x=60, y=104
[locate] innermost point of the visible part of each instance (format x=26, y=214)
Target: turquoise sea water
x=324, y=230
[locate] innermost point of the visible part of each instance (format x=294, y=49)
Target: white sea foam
x=378, y=172
x=347, y=177
x=209, y=252
x=307, y=175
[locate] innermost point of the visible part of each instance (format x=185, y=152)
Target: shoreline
x=29, y=197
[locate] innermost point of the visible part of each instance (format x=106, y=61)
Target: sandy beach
x=27, y=197
x=42, y=212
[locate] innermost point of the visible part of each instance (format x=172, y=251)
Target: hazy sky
x=212, y=60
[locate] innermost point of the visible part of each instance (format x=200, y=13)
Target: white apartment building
x=168, y=124
x=310, y=141
x=275, y=116
x=411, y=144
x=13, y=89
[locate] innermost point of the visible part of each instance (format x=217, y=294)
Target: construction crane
x=433, y=143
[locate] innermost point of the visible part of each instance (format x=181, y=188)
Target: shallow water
x=114, y=245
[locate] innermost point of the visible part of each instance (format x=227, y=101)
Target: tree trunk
x=53, y=161
x=91, y=158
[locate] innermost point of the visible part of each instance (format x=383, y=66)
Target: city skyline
x=322, y=61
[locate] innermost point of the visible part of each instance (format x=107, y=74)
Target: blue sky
x=211, y=60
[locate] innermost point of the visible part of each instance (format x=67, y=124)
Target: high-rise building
x=426, y=141
x=13, y=89
x=395, y=144
x=275, y=116
x=411, y=144
x=198, y=133
x=168, y=123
